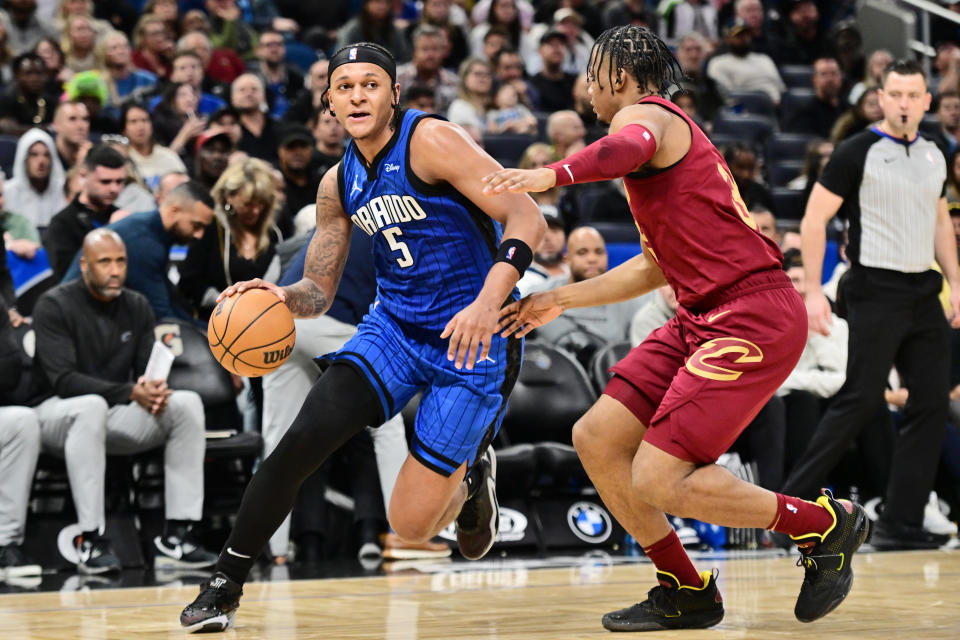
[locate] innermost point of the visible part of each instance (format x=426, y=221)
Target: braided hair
x=639, y=52
x=397, y=110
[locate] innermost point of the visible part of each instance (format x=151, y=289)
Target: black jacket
x=10, y=366
x=64, y=236
x=86, y=346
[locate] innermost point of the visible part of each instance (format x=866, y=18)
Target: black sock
x=340, y=404
x=177, y=528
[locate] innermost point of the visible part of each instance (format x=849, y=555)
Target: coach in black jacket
x=93, y=342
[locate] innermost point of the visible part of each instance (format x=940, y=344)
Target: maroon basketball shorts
x=699, y=380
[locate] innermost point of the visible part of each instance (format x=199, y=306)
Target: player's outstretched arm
x=635, y=277
x=326, y=255
x=442, y=152
x=632, y=142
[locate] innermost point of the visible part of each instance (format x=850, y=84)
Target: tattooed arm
x=326, y=255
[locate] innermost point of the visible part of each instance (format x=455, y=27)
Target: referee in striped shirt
x=888, y=184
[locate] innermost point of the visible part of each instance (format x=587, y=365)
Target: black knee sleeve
x=339, y=405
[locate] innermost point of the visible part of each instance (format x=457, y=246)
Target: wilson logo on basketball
x=269, y=357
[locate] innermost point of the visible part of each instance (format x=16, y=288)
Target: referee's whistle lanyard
x=906, y=140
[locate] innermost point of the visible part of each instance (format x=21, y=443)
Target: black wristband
x=516, y=253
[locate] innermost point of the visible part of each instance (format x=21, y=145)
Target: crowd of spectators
x=198, y=124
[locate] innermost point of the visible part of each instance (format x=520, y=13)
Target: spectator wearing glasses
x=153, y=46
x=469, y=110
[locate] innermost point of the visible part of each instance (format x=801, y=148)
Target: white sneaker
x=933, y=519
x=873, y=507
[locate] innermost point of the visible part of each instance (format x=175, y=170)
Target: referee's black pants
x=895, y=319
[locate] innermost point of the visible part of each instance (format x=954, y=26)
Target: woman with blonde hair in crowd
x=69, y=8
x=79, y=43
x=872, y=76
x=115, y=62
x=474, y=95
x=240, y=244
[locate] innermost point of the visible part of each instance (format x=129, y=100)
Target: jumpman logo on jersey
x=355, y=187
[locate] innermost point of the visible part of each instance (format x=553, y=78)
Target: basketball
x=251, y=333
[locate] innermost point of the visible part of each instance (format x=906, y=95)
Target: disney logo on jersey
x=391, y=168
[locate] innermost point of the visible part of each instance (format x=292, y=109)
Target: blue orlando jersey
x=432, y=246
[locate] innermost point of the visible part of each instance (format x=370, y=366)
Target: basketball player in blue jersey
x=447, y=259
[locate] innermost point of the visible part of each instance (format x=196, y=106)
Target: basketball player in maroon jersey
x=681, y=398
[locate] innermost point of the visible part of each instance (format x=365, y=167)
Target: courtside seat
x=230, y=452
x=782, y=172
x=550, y=395
x=506, y=146
x=517, y=469
x=793, y=101
x=787, y=146
x=603, y=360
x=748, y=127
x=757, y=102
x=8, y=150
x=797, y=75
x=788, y=204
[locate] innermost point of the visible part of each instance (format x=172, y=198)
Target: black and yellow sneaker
x=215, y=607
x=671, y=606
x=828, y=568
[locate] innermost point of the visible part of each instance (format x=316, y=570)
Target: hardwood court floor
x=896, y=595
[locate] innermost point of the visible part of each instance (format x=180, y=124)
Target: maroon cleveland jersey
x=694, y=223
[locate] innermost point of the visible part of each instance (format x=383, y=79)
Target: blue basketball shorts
x=460, y=411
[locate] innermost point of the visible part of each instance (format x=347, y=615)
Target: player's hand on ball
x=525, y=315
x=519, y=181
x=256, y=283
x=819, y=314
x=470, y=333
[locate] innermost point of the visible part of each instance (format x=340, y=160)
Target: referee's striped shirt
x=891, y=192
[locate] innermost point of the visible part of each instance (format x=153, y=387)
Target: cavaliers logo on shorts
x=729, y=350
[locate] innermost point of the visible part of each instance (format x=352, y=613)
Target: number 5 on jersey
x=405, y=260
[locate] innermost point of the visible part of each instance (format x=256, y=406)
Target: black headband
x=362, y=52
